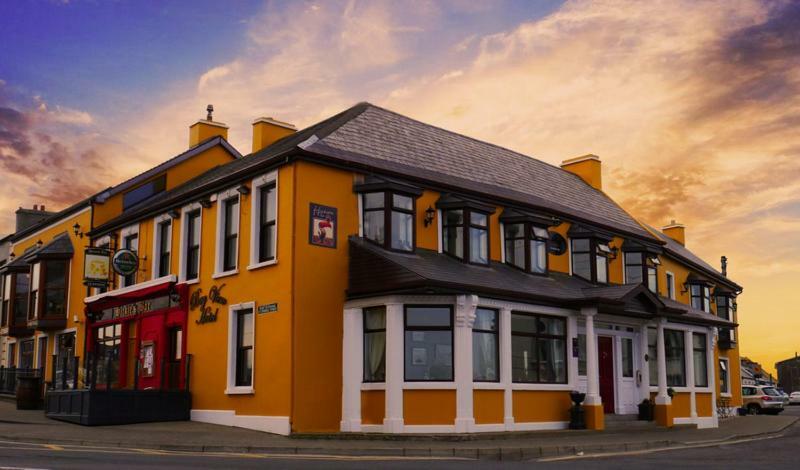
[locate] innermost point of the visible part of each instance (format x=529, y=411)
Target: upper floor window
x=22, y=282
x=130, y=241
x=671, y=286
x=5, y=298
x=163, y=245
x=590, y=259
x=701, y=297
x=143, y=192
x=526, y=246
x=642, y=267
x=389, y=219
x=264, y=225
x=466, y=232
x=54, y=287
x=227, y=248
x=192, y=245
x=33, y=297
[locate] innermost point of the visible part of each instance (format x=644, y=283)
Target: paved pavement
x=46, y=443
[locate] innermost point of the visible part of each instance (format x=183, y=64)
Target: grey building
x=789, y=374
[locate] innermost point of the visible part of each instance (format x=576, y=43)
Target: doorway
x=605, y=356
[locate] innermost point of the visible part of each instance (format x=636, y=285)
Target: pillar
x=393, y=417
x=593, y=403
x=663, y=402
x=644, y=386
x=505, y=368
x=352, y=357
x=465, y=319
x=688, y=351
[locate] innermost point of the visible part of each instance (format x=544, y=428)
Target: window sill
x=189, y=283
x=262, y=264
x=373, y=386
x=429, y=385
x=225, y=274
x=488, y=386
x=550, y=387
x=726, y=395
x=240, y=391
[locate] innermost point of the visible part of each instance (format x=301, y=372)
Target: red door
x=605, y=353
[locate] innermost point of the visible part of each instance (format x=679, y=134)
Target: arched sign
x=125, y=262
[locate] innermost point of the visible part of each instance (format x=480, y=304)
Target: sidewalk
x=33, y=427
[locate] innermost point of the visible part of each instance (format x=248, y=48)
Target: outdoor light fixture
x=429, y=213
x=76, y=229
x=205, y=203
x=243, y=189
x=39, y=243
x=174, y=214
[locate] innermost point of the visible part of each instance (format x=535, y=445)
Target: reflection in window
x=652, y=355
x=375, y=344
x=428, y=344
x=244, y=348
x=526, y=246
x=538, y=349
x=627, y=357
x=485, y=365
x=700, y=359
x=392, y=209
x=676, y=358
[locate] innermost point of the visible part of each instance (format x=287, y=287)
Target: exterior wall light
x=76, y=229
x=174, y=214
x=243, y=189
x=430, y=212
x=39, y=243
x=205, y=203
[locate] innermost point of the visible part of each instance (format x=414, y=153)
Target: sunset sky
x=693, y=106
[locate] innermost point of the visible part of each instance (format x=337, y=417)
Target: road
x=775, y=453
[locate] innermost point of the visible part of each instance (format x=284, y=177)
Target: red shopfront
x=137, y=338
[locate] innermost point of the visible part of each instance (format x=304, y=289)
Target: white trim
x=255, y=210
x=221, y=125
x=275, y=122
x=50, y=226
x=183, y=242
x=135, y=287
x=670, y=280
x=430, y=385
x=352, y=369
x=360, y=200
x=126, y=232
x=155, y=265
x=272, y=424
x=428, y=428
x=439, y=241
x=366, y=386
x=503, y=242
x=224, y=274
x=232, y=388
x=219, y=248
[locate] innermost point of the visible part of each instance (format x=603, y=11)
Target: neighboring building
x=754, y=374
x=374, y=273
x=789, y=374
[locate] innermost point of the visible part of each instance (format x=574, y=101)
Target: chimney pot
x=36, y=207
x=588, y=168
x=207, y=128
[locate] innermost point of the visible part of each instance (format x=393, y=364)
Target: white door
x=627, y=393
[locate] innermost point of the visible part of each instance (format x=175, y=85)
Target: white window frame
x=184, y=233
x=156, y=265
x=725, y=393
x=231, y=388
x=219, y=252
x=255, y=204
x=670, y=281
x=129, y=230
x=35, y=282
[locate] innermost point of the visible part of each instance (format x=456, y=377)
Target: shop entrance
x=107, y=353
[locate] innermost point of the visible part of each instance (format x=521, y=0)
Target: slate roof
x=59, y=246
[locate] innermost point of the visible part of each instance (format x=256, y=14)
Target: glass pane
x=627, y=357
x=521, y=323
x=246, y=328
x=429, y=355
x=581, y=266
x=485, y=319
x=484, y=357
x=375, y=318
x=552, y=364
x=56, y=274
x=513, y=230
x=35, y=272
x=603, y=248
x=515, y=252
x=373, y=200
x=581, y=354
x=428, y=316
x=652, y=280
x=538, y=256
x=695, y=289
x=476, y=218
x=455, y=217
x=552, y=326
x=581, y=244
x=652, y=355
x=540, y=232
x=402, y=231
x=268, y=203
x=375, y=356
x=373, y=226
x=602, y=269
x=478, y=245
x=700, y=369
x=232, y=216
x=523, y=360
x=675, y=356
x=453, y=239
x=633, y=274
x=402, y=202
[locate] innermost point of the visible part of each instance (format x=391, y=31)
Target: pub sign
x=96, y=266
x=322, y=226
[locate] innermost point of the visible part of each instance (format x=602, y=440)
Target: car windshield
x=771, y=392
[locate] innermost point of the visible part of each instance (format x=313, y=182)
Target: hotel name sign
x=206, y=303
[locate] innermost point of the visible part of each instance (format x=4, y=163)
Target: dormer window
x=642, y=267
x=525, y=246
x=389, y=219
x=590, y=259
x=700, y=294
x=465, y=233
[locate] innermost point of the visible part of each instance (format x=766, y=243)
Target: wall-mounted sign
x=125, y=262
x=268, y=308
x=208, y=313
x=137, y=308
x=322, y=226
x=147, y=355
x=96, y=266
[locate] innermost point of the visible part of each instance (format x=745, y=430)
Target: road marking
x=53, y=447
x=651, y=451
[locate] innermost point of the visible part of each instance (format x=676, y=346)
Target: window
x=581, y=354
x=466, y=232
x=671, y=286
x=267, y=218
x=192, y=253
x=22, y=284
x=538, y=349
x=229, y=236
x=108, y=341
x=700, y=360
x=65, y=351
x=701, y=297
x=724, y=377
x=55, y=287
x=725, y=310
x=375, y=344
x=33, y=298
x=428, y=343
x=130, y=242
x=41, y=355
x=244, y=348
x=652, y=355
x=633, y=268
x=164, y=247
x=12, y=355
x=583, y=264
x=675, y=358
x=5, y=298
x=389, y=213
x=26, y=354
x=526, y=247
x=627, y=357
x=145, y=191
x=485, y=346
x=641, y=267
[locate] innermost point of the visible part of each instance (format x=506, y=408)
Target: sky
x=693, y=106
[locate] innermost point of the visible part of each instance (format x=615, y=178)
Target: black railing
x=9, y=376
x=169, y=374
x=65, y=372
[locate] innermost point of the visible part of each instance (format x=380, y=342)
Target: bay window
x=22, y=282
x=727, y=335
x=701, y=296
x=33, y=297
x=428, y=343
x=389, y=219
x=5, y=299
x=538, y=348
x=525, y=246
x=375, y=344
x=675, y=356
x=466, y=232
x=590, y=259
x=699, y=358
x=485, y=346
x=642, y=267
x=724, y=377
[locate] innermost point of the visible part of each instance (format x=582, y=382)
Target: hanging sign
x=208, y=313
x=125, y=262
x=96, y=266
x=322, y=226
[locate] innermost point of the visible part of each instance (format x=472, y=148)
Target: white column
x=352, y=357
x=688, y=353
x=505, y=368
x=462, y=355
x=711, y=344
x=393, y=419
x=662, y=398
x=644, y=386
x=592, y=367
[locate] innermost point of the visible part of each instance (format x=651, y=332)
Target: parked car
x=784, y=395
x=762, y=399
x=794, y=398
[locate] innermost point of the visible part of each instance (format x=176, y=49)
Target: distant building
x=753, y=373
x=789, y=374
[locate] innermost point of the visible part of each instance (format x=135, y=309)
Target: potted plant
x=671, y=393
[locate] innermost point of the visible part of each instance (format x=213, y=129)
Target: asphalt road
x=774, y=453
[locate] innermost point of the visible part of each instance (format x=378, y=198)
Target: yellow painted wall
x=540, y=406
x=427, y=237
x=560, y=263
x=373, y=406
x=429, y=407
x=681, y=405
x=488, y=406
x=705, y=405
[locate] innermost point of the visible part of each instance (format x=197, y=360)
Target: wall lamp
x=243, y=189
x=430, y=212
x=174, y=214
x=205, y=203
x=76, y=229
x=39, y=243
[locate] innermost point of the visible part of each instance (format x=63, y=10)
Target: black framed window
x=525, y=246
x=675, y=355
x=267, y=217
x=164, y=247
x=230, y=233
x=33, y=296
x=22, y=283
x=652, y=355
x=485, y=346
x=590, y=259
x=393, y=214
x=375, y=344
x=670, y=285
x=26, y=354
x=699, y=356
x=538, y=348
x=5, y=298
x=130, y=242
x=428, y=343
x=465, y=233
x=244, y=347
x=192, y=268
x=642, y=267
x=627, y=357
x=724, y=381
x=701, y=297
x=54, y=286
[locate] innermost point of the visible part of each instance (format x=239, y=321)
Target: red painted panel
x=605, y=353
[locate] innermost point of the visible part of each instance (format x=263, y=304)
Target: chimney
x=587, y=167
x=267, y=131
x=206, y=128
x=724, y=263
x=29, y=217
x=676, y=232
